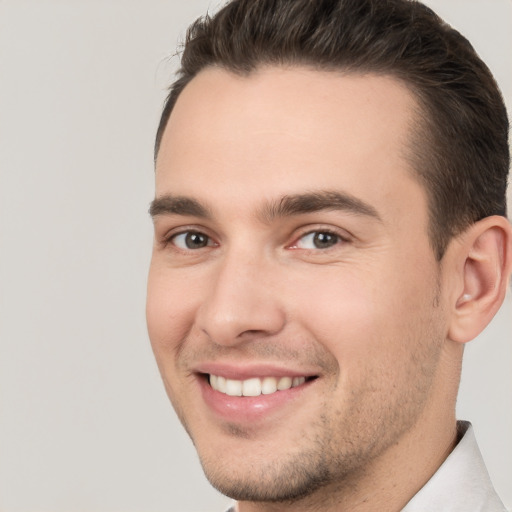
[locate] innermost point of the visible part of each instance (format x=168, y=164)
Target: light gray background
x=84, y=421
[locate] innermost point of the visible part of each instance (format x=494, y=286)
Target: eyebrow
x=311, y=202
x=286, y=206
x=178, y=205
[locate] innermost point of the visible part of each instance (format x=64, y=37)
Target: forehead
x=286, y=130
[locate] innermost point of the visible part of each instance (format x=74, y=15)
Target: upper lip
x=249, y=371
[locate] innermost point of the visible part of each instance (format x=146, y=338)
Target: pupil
x=196, y=240
x=323, y=240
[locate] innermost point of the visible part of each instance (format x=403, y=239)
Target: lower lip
x=242, y=409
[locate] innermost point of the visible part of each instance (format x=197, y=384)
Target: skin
x=369, y=315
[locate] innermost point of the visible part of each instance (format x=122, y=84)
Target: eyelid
x=343, y=236
x=167, y=237
x=184, y=234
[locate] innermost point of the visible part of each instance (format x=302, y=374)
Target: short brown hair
x=459, y=150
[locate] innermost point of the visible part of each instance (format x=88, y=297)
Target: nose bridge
x=241, y=304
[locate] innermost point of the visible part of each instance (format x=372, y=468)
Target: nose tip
x=239, y=308
x=237, y=321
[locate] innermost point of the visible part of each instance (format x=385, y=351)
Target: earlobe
x=485, y=266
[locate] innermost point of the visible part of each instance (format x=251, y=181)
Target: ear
x=484, y=264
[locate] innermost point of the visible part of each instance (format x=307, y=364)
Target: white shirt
x=461, y=484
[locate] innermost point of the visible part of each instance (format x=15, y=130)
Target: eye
x=190, y=240
x=318, y=240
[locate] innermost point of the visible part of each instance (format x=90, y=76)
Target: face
x=293, y=299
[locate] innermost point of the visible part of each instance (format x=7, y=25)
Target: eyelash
x=338, y=238
x=170, y=239
x=319, y=231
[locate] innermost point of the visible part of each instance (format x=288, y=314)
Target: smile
x=255, y=386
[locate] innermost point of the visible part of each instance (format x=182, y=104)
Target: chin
x=275, y=486
x=286, y=477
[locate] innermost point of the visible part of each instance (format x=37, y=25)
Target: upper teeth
x=254, y=386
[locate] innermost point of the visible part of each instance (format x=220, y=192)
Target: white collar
x=461, y=484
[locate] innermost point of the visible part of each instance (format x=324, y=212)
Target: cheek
x=169, y=311
x=169, y=315
x=362, y=318
x=337, y=305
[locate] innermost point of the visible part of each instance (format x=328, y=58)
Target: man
x=330, y=231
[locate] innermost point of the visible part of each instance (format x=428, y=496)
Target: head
x=328, y=232
x=459, y=147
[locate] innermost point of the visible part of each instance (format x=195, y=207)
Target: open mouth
x=255, y=386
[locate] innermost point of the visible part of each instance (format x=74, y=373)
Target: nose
x=242, y=302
